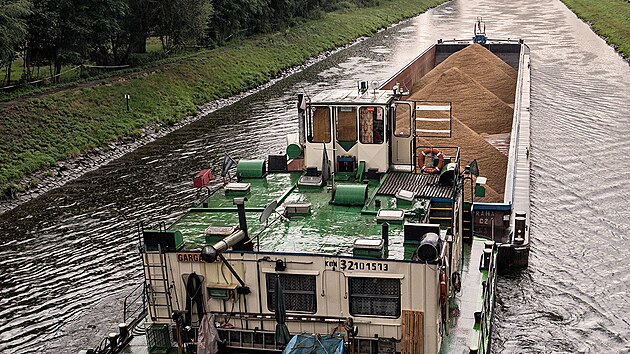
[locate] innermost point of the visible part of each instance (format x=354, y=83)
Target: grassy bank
x=608, y=18
x=37, y=133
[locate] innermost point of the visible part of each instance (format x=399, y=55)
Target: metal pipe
x=211, y=253
x=385, y=233
x=246, y=245
x=301, y=106
x=240, y=208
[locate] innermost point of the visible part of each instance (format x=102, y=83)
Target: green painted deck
x=330, y=229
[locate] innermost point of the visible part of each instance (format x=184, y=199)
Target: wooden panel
x=412, y=341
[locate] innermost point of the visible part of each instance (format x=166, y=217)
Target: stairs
x=159, y=288
x=441, y=212
x=467, y=221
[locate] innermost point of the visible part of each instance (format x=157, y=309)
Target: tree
x=102, y=19
x=13, y=30
x=181, y=23
x=235, y=17
x=137, y=24
x=73, y=31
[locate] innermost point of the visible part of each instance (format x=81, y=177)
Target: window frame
x=352, y=296
x=409, y=123
x=356, y=122
x=383, y=134
x=311, y=125
x=270, y=281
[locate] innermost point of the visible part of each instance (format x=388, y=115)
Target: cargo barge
x=375, y=232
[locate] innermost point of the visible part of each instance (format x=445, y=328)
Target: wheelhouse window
x=299, y=292
x=374, y=296
x=371, y=125
x=402, y=123
x=319, y=125
x=346, y=124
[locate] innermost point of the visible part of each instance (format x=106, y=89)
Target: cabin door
x=403, y=129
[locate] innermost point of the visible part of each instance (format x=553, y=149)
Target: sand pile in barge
x=480, y=64
x=473, y=104
x=492, y=163
x=481, y=88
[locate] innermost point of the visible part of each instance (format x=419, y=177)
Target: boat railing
x=134, y=311
x=134, y=305
x=487, y=307
x=488, y=41
x=240, y=338
x=452, y=152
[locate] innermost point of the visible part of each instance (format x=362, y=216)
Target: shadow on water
x=68, y=257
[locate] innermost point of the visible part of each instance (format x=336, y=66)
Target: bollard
x=385, y=233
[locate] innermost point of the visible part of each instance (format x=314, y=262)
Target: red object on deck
x=202, y=178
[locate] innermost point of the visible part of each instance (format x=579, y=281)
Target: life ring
x=442, y=288
x=434, y=152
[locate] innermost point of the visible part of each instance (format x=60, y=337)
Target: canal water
x=68, y=258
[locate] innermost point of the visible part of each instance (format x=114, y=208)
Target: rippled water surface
x=69, y=257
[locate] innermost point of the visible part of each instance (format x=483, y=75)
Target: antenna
x=374, y=86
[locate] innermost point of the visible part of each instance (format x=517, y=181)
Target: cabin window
x=402, y=123
x=371, y=125
x=319, y=125
x=298, y=290
x=346, y=124
x=374, y=296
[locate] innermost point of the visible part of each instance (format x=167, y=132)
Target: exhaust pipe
x=239, y=240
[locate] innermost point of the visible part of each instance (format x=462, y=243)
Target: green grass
x=17, y=69
x=608, y=18
x=37, y=133
x=69, y=74
x=154, y=44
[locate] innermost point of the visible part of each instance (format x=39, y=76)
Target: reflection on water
x=68, y=258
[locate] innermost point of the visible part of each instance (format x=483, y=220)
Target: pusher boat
x=374, y=232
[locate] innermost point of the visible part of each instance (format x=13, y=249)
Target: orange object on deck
x=434, y=152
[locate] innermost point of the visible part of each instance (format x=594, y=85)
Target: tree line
x=112, y=32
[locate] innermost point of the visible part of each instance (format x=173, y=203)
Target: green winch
x=251, y=168
x=350, y=194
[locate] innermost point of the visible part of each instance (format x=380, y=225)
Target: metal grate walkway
x=422, y=185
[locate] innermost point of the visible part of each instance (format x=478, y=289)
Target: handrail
x=127, y=313
x=130, y=317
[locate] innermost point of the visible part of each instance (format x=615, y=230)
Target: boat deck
x=462, y=327
x=422, y=185
x=329, y=229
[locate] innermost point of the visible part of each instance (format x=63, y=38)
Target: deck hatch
x=390, y=215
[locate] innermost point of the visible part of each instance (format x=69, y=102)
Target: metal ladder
x=159, y=288
x=441, y=213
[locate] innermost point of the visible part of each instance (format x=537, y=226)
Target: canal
x=68, y=258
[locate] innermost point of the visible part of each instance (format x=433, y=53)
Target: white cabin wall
x=331, y=281
x=374, y=155
x=313, y=155
x=354, y=151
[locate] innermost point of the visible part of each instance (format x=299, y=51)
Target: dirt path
x=79, y=85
